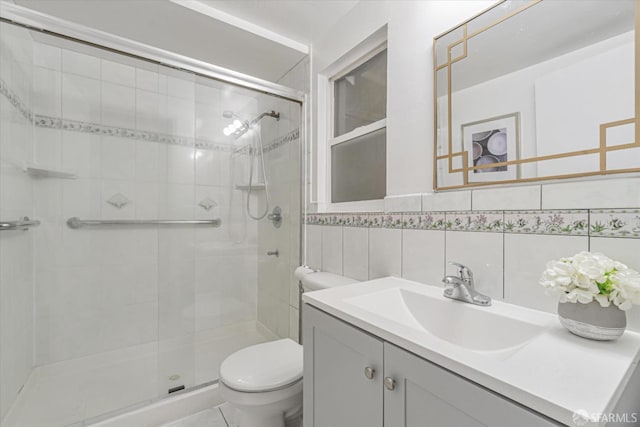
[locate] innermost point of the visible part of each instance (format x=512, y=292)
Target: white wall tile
x=603, y=193
x=627, y=251
x=82, y=198
x=80, y=98
x=81, y=153
x=525, y=258
x=180, y=164
x=118, y=158
x=447, y=201
x=423, y=256
x=207, y=167
x=404, y=203
x=385, y=252
x=81, y=64
x=356, y=252
x=508, y=198
x=118, y=105
x=482, y=253
x=47, y=147
x=47, y=92
x=294, y=324
x=181, y=88
x=180, y=117
x=151, y=111
x=115, y=72
x=147, y=161
x=47, y=56
x=313, y=246
x=147, y=80
x=332, y=249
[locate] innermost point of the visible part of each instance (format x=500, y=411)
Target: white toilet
x=263, y=382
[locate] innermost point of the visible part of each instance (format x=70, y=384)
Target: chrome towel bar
x=24, y=224
x=76, y=222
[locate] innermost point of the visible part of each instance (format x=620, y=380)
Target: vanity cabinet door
x=339, y=390
x=426, y=395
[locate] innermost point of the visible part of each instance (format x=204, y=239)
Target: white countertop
x=555, y=373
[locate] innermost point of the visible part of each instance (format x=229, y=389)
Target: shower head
x=240, y=126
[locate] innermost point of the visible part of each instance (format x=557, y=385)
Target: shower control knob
x=369, y=373
x=389, y=383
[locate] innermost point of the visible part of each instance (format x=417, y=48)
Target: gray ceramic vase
x=593, y=321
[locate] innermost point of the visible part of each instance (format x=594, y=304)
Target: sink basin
x=465, y=325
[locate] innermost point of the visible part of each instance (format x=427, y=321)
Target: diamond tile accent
x=119, y=201
x=208, y=204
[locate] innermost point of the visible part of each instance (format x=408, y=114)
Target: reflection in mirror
x=523, y=96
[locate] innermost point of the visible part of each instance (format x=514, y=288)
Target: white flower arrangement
x=588, y=276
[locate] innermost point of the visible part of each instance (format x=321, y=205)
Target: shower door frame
x=47, y=24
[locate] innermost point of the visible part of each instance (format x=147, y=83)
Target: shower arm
x=271, y=113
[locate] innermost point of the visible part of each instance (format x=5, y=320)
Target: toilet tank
x=314, y=281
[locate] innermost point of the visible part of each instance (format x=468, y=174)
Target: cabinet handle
x=369, y=373
x=389, y=383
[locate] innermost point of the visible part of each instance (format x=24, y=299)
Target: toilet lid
x=263, y=367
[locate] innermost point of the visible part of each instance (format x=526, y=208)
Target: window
x=358, y=142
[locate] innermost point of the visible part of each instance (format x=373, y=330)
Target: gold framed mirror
x=532, y=90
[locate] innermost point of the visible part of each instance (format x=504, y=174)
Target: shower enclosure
x=129, y=267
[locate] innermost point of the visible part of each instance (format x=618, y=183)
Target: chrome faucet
x=461, y=287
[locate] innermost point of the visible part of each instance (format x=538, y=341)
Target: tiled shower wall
x=16, y=201
x=505, y=235
x=277, y=288
x=150, y=138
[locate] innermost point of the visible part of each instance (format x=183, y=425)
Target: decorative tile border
x=487, y=221
x=570, y=222
x=15, y=100
x=283, y=140
x=99, y=129
x=423, y=221
x=615, y=222
x=356, y=220
x=580, y=222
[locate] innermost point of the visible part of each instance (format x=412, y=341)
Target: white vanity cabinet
x=400, y=390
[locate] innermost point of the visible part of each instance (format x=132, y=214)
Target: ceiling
x=170, y=26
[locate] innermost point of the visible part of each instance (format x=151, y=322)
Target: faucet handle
x=464, y=272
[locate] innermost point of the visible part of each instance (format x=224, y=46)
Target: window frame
x=331, y=140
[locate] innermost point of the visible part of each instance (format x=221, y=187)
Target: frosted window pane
x=359, y=168
x=360, y=97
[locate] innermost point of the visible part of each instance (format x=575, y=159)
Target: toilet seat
x=263, y=367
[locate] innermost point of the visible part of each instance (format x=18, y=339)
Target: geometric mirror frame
x=477, y=143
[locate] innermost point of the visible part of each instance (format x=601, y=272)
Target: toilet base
x=278, y=408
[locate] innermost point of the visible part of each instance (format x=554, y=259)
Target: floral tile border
x=485, y=221
x=575, y=222
x=15, y=100
x=392, y=220
x=283, y=140
x=376, y=220
x=356, y=220
x=570, y=222
x=99, y=129
x=423, y=221
x=615, y=223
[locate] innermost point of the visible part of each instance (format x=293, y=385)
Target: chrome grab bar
x=76, y=222
x=24, y=224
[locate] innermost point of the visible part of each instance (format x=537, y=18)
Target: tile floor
x=65, y=393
